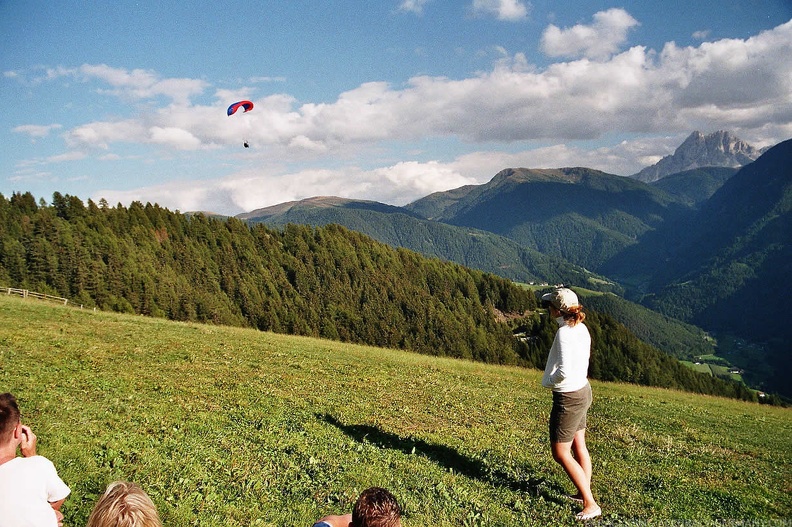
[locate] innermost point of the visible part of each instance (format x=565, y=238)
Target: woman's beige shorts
x=569, y=414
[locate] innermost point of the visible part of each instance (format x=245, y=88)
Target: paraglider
x=247, y=106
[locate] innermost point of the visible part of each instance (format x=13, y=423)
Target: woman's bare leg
x=578, y=471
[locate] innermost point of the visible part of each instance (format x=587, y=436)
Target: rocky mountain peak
x=719, y=149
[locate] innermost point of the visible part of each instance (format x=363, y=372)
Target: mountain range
x=707, y=245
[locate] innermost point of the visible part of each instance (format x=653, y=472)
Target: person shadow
x=450, y=459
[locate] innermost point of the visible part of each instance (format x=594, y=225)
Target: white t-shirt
x=567, y=364
x=27, y=486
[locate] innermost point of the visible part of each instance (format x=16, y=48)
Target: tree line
x=326, y=282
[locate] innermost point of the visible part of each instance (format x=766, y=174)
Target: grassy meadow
x=235, y=427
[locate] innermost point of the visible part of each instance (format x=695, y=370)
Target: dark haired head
x=9, y=416
x=376, y=507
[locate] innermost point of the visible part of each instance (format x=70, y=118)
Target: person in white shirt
x=566, y=373
x=31, y=493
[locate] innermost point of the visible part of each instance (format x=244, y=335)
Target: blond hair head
x=124, y=504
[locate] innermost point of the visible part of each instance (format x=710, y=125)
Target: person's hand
x=28, y=444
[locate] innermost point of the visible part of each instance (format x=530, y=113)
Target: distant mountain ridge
x=284, y=210
x=582, y=215
x=719, y=149
x=399, y=227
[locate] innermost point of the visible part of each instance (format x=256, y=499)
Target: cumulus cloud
x=101, y=134
x=598, y=40
x=507, y=10
x=175, y=137
x=710, y=86
x=141, y=84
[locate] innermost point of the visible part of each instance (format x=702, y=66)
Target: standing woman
x=566, y=374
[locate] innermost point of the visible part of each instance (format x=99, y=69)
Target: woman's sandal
x=590, y=515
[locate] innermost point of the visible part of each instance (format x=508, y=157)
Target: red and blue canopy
x=247, y=105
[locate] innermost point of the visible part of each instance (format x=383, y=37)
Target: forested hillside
x=676, y=338
x=398, y=227
x=327, y=282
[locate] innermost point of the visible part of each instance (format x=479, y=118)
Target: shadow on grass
x=450, y=459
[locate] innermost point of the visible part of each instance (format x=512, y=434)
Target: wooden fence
x=24, y=293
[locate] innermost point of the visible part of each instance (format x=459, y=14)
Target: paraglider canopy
x=247, y=105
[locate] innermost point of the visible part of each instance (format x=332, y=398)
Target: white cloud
x=132, y=85
x=101, y=134
x=175, y=137
x=598, y=41
x=35, y=131
x=143, y=84
x=625, y=158
x=507, y=10
x=304, y=143
x=397, y=184
x=251, y=189
x=412, y=6
x=67, y=156
x=701, y=35
x=405, y=182
x=28, y=176
x=711, y=86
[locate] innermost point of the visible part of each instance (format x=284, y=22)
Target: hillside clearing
x=228, y=426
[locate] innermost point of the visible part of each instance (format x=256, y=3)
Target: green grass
x=234, y=427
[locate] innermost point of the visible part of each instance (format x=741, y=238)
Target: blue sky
x=385, y=100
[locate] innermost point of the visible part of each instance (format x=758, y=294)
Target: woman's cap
x=562, y=298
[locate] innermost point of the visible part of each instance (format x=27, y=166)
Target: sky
x=384, y=100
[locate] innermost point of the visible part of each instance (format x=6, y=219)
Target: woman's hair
x=574, y=315
x=124, y=504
